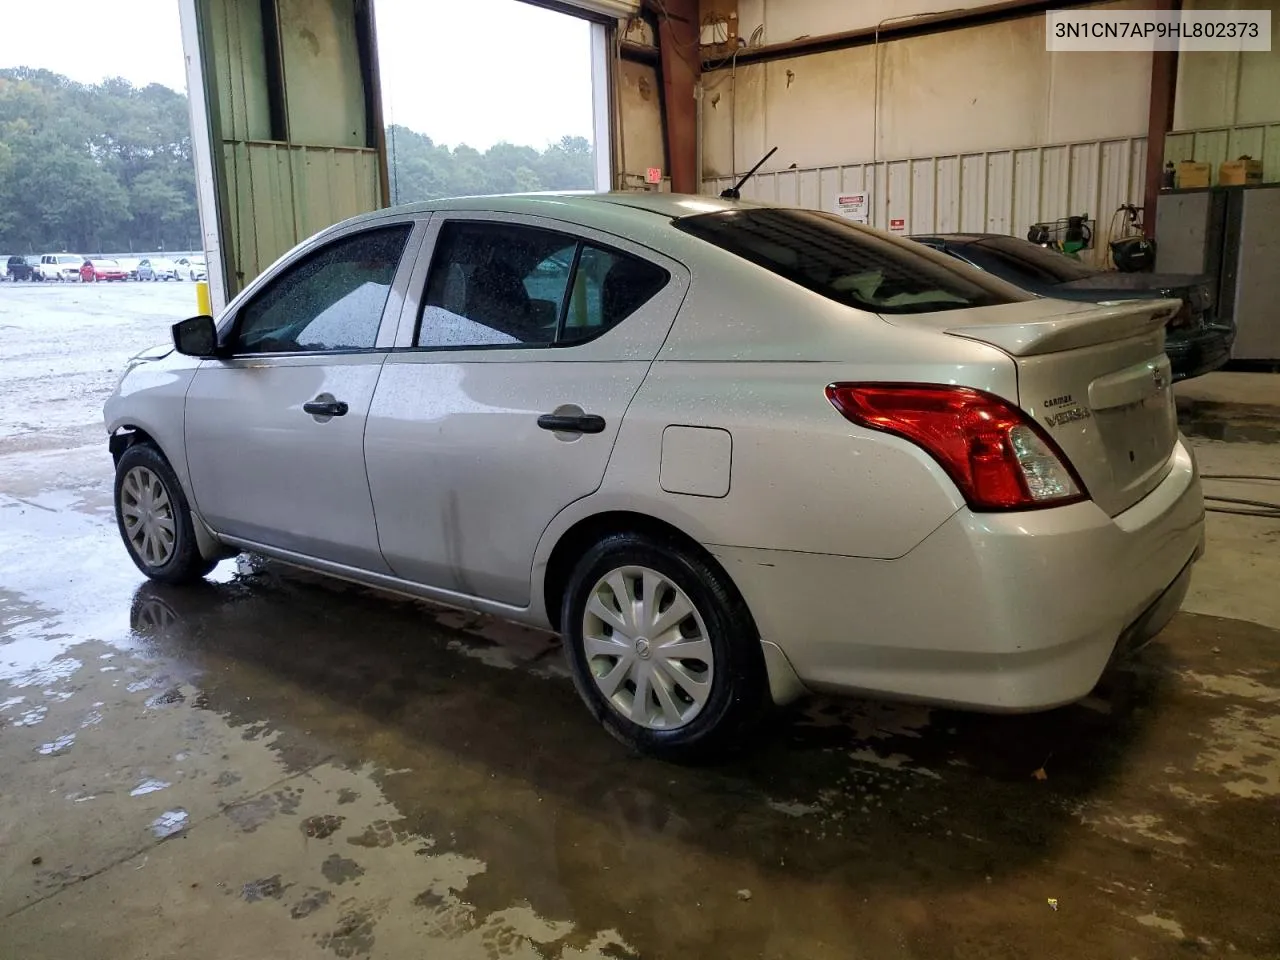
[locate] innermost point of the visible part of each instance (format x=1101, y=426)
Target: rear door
x=524, y=341
x=275, y=432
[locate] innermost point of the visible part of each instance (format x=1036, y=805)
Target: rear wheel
x=662, y=648
x=154, y=518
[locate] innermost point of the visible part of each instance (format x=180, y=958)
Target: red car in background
x=102, y=270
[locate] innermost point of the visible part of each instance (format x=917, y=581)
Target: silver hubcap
x=647, y=648
x=148, y=516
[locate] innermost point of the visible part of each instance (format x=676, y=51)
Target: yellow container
x=203, y=307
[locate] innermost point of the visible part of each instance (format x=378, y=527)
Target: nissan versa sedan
x=732, y=452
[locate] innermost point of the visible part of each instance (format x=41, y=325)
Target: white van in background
x=60, y=266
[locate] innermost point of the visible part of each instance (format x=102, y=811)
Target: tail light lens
x=995, y=454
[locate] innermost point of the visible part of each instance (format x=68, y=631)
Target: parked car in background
x=188, y=266
x=4, y=267
x=130, y=266
x=196, y=269
x=157, y=268
x=33, y=264
x=1195, y=342
x=735, y=452
x=60, y=266
x=93, y=270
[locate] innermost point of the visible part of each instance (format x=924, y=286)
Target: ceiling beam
x=921, y=26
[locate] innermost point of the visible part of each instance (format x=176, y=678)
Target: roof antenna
x=731, y=193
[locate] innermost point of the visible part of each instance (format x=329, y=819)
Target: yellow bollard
x=203, y=307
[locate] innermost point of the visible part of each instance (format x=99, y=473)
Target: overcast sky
x=474, y=72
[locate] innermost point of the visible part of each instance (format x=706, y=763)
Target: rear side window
x=608, y=287
x=847, y=262
x=496, y=284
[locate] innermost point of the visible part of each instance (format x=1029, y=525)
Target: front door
x=275, y=433
x=527, y=344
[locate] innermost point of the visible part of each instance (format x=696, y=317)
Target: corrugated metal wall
x=283, y=193
x=997, y=191
x=1214, y=145
x=313, y=169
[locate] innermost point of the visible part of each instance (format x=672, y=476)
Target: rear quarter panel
x=753, y=356
x=801, y=478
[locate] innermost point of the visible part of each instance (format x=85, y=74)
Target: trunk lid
x=1095, y=377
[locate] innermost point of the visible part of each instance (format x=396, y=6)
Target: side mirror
x=196, y=337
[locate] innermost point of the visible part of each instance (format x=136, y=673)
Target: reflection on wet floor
x=365, y=774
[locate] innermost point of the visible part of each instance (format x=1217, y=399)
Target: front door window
x=332, y=300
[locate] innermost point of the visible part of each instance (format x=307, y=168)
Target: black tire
x=739, y=696
x=184, y=564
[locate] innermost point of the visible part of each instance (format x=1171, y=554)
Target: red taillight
x=992, y=451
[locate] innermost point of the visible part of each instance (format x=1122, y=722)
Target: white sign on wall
x=855, y=206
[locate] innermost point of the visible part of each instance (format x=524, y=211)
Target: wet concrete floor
x=275, y=765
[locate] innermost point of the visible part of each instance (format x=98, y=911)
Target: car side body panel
x=439, y=414
x=307, y=490
x=245, y=423
x=151, y=397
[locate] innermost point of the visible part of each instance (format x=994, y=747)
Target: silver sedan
x=731, y=452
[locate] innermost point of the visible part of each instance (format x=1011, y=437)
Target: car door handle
x=581, y=423
x=325, y=408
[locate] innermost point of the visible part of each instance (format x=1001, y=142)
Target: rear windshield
x=1022, y=261
x=847, y=262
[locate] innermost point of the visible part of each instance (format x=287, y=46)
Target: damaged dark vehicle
x=1195, y=341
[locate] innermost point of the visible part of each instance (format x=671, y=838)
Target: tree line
x=107, y=167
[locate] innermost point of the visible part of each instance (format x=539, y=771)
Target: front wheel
x=154, y=519
x=662, y=648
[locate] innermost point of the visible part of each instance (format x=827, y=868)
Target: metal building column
x=678, y=45
x=1164, y=90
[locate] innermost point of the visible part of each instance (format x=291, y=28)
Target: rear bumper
x=1002, y=612
x=1202, y=352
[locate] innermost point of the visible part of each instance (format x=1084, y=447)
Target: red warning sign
x=897, y=225
x=653, y=175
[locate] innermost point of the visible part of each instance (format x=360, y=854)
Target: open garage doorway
x=491, y=96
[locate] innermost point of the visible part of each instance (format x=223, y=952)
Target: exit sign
x=653, y=175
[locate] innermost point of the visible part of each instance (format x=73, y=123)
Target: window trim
x=229, y=324
x=571, y=231
x=569, y=285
